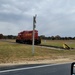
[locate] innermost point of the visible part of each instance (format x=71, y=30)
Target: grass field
x=14, y=52
x=59, y=43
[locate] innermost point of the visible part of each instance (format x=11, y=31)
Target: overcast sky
x=54, y=17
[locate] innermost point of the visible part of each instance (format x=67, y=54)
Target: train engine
x=26, y=37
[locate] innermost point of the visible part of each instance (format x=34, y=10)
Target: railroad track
x=44, y=46
x=54, y=47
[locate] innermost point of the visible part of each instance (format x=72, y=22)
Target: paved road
x=50, y=69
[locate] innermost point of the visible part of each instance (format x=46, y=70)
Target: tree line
x=7, y=36
x=57, y=37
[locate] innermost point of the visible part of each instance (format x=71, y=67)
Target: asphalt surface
x=42, y=69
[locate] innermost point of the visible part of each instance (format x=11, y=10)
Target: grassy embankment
x=13, y=52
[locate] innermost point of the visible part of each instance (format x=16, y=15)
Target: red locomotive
x=26, y=37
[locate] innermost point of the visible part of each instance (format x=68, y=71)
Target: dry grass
x=13, y=52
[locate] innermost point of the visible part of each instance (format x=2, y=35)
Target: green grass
x=13, y=52
x=59, y=43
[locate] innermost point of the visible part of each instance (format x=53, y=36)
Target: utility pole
x=34, y=26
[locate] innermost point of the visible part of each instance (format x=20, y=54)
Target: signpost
x=34, y=26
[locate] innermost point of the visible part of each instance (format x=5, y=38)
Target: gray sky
x=54, y=17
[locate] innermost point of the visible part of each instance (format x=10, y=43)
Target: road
x=42, y=69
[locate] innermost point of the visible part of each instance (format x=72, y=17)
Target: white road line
x=19, y=69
